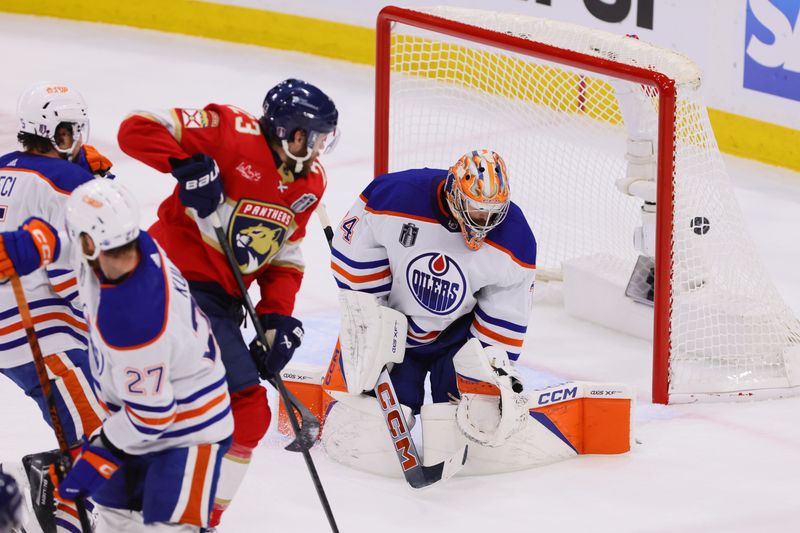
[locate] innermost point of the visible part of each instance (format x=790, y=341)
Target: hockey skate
x=42, y=501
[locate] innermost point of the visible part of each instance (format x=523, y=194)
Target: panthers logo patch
x=257, y=231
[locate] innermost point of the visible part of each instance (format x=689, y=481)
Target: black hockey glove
x=201, y=187
x=284, y=334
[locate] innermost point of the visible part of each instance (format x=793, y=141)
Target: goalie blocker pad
x=371, y=336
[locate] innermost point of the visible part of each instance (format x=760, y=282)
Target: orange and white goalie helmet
x=477, y=194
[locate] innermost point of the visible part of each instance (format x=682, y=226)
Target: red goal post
x=456, y=31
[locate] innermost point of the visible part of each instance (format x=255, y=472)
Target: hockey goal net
x=547, y=96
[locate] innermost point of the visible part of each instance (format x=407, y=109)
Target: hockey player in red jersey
x=262, y=177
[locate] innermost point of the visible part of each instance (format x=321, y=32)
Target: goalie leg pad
x=355, y=435
x=530, y=446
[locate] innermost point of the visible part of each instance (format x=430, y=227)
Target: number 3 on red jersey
x=245, y=122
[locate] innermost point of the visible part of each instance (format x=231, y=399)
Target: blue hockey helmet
x=10, y=503
x=294, y=104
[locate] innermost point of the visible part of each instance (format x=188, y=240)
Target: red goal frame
x=667, y=94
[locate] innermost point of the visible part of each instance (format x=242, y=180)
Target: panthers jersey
x=35, y=185
x=400, y=243
x=266, y=206
x=156, y=366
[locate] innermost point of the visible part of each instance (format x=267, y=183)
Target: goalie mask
x=478, y=195
x=106, y=212
x=44, y=107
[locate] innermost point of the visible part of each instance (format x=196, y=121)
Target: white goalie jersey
x=399, y=243
x=156, y=365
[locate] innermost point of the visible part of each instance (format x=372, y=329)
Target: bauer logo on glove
x=200, y=188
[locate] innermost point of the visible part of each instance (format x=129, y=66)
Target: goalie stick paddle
x=416, y=474
x=62, y=466
x=305, y=436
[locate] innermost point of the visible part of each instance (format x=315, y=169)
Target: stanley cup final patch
x=257, y=231
x=408, y=235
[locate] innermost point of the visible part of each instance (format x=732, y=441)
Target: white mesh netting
x=562, y=134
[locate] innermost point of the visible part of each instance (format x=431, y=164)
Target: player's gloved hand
x=284, y=334
x=201, y=187
x=94, y=466
x=35, y=244
x=89, y=158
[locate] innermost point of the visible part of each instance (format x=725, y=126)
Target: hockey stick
x=63, y=466
x=416, y=474
x=306, y=436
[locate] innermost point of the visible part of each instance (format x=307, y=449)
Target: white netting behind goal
x=562, y=134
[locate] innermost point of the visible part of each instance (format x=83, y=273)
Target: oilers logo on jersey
x=257, y=231
x=437, y=282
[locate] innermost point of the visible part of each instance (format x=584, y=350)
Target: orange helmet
x=477, y=194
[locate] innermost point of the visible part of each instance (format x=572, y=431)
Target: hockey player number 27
x=137, y=380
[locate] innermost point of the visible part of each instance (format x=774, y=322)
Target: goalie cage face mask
x=478, y=194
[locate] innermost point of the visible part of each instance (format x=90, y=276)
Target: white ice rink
x=696, y=468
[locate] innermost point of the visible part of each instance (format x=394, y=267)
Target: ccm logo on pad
x=557, y=395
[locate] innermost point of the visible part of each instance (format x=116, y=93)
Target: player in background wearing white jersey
x=54, y=128
x=156, y=369
x=450, y=251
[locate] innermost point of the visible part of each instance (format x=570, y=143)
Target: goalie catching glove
x=490, y=388
x=284, y=335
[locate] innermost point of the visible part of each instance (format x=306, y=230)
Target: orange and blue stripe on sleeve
x=374, y=277
x=498, y=332
x=150, y=421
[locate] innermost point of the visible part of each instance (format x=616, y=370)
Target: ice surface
x=698, y=468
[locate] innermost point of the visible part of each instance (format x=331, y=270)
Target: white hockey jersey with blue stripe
x=399, y=242
x=156, y=365
x=35, y=185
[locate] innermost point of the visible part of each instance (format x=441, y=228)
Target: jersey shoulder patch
x=133, y=313
x=198, y=118
x=410, y=193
